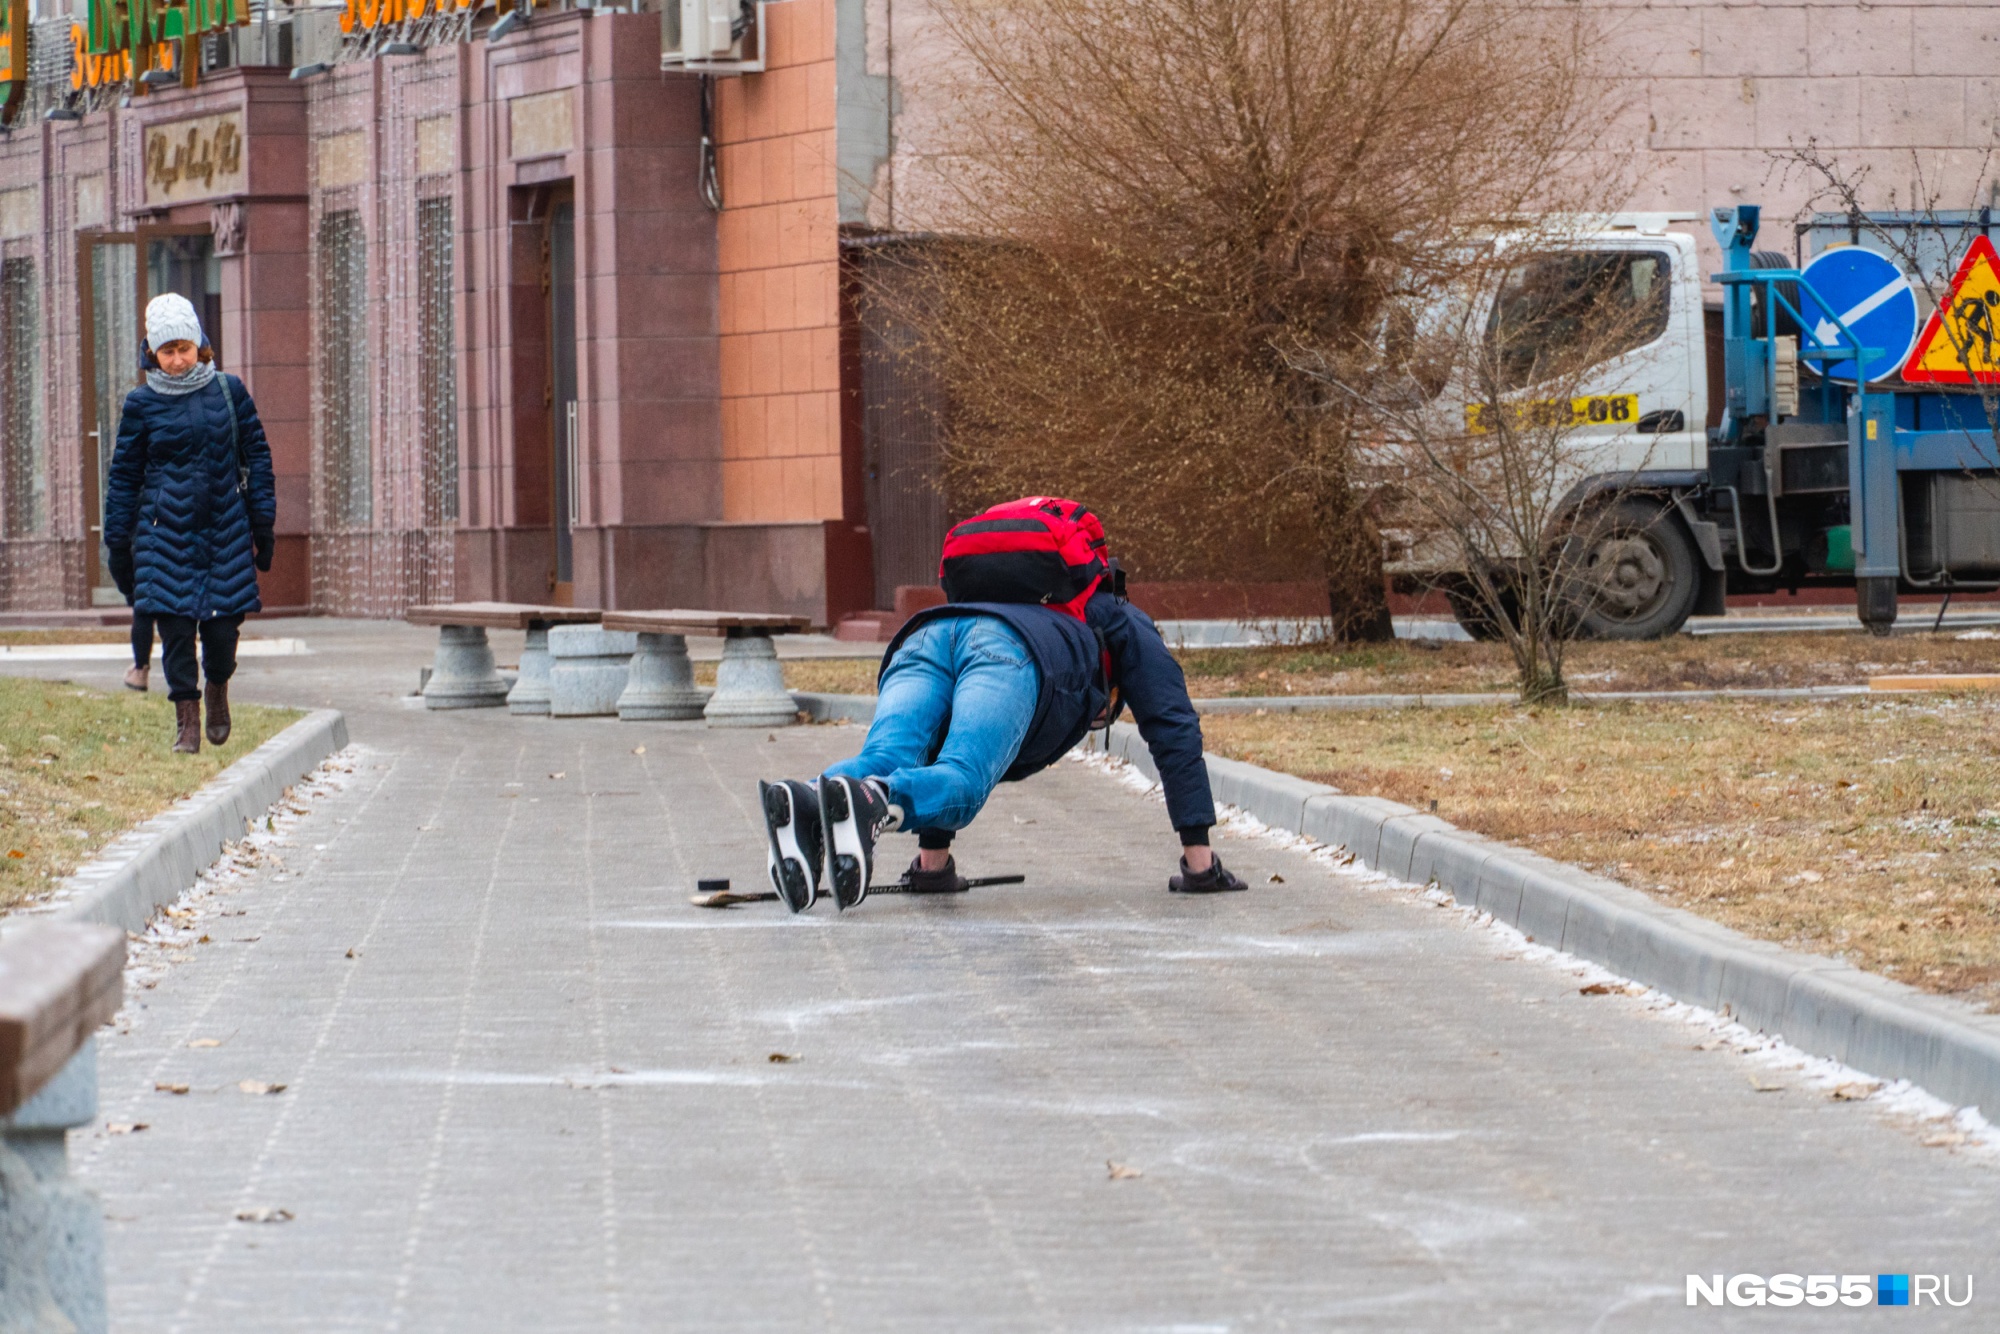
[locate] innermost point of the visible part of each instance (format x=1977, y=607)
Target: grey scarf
x=175, y=385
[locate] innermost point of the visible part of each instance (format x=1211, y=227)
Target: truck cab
x=1724, y=441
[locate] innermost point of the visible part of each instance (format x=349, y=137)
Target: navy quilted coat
x=172, y=495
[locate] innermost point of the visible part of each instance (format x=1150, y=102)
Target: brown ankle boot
x=187, y=717
x=218, y=712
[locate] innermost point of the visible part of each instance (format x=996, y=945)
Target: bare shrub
x=1151, y=207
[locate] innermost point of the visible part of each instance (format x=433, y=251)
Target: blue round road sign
x=1871, y=296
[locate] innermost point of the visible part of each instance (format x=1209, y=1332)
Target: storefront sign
x=194, y=159
x=13, y=57
x=361, y=15
x=94, y=71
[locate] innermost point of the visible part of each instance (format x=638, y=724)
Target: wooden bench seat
x=749, y=684
x=464, y=675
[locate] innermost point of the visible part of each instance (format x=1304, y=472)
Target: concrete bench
x=59, y=981
x=464, y=677
x=749, y=684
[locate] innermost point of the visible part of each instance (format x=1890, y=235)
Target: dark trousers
x=218, y=652
x=142, y=638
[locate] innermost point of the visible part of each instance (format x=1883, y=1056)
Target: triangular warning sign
x=1961, y=342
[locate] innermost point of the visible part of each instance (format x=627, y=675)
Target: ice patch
x=1939, y=1123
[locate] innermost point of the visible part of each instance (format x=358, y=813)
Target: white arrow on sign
x=1824, y=333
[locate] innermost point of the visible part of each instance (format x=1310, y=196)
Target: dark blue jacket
x=173, y=498
x=1069, y=655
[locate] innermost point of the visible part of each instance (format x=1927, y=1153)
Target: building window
x=26, y=474
x=347, y=477
x=437, y=371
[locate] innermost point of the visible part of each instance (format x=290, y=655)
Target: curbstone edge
x=152, y=864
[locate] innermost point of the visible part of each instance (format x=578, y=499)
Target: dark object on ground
x=1217, y=879
x=187, y=727
x=729, y=899
x=944, y=880
x=712, y=886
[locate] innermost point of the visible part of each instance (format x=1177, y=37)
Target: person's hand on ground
x=1214, y=878
x=264, y=543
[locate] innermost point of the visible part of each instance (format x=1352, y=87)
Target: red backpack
x=1038, y=549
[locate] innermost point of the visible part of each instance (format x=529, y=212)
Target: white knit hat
x=170, y=318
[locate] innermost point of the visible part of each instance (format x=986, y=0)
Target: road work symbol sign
x=1870, y=296
x=1961, y=343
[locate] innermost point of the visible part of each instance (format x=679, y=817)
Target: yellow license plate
x=1595, y=410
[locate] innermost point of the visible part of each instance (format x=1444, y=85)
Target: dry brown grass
x=1865, y=828
x=79, y=767
x=1404, y=667
x=92, y=636
x=1684, y=662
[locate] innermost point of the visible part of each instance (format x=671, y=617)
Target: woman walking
x=189, y=513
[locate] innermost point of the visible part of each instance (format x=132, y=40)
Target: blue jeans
x=954, y=708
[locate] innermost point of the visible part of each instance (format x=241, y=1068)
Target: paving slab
x=528, y=1087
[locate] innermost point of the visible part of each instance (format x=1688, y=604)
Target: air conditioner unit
x=712, y=36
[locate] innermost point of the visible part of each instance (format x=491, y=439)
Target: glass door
x=183, y=259
x=109, y=265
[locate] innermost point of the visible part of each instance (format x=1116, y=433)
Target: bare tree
x=1152, y=206
x=1504, y=449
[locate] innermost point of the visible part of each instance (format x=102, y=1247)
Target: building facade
x=531, y=319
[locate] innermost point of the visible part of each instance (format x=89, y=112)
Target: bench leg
x=660, y=686
x=52, y=1259
x=750, y=686
x=464, y=676
x=530, y=694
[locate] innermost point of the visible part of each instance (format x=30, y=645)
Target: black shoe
x=791, y=822
x=944, y=880
x=1215, y=880
x=852, y=811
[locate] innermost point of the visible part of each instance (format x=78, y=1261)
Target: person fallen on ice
x=1031, y=650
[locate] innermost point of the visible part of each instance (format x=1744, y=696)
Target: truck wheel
x=1471, y=612
x=1641, y=573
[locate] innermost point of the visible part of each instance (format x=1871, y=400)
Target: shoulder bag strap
x=235, y=437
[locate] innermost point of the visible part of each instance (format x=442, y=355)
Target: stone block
x=660, y=684
x=587, y=670
x=463, y=675
x=530, y=695
x=750, y=686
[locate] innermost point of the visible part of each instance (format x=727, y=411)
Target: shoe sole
x=791, y=873
x=846, y=859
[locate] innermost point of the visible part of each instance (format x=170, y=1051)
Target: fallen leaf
x=560, y=773
x=1765, y=1088
x=16, y=853
x=1120, y=1172
x=1277, y=879
x=1854, y=1092
x=264, y=1214
x=352, y=955
x=780, y=1058
x=206, y=1042
x=170, y=1088
x=205, y=940
x=256, y=1087
x=638, y=750
x=1950, y=1139
x=1613, y=989
x=125, y=1127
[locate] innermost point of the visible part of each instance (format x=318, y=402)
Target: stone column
x=51, y=1229
x=464, y=677
x=660, y=686
x=750, y=685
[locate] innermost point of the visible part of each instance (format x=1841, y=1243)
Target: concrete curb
x=1822, y=1005
x=151, y=865
x=1301, y=703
